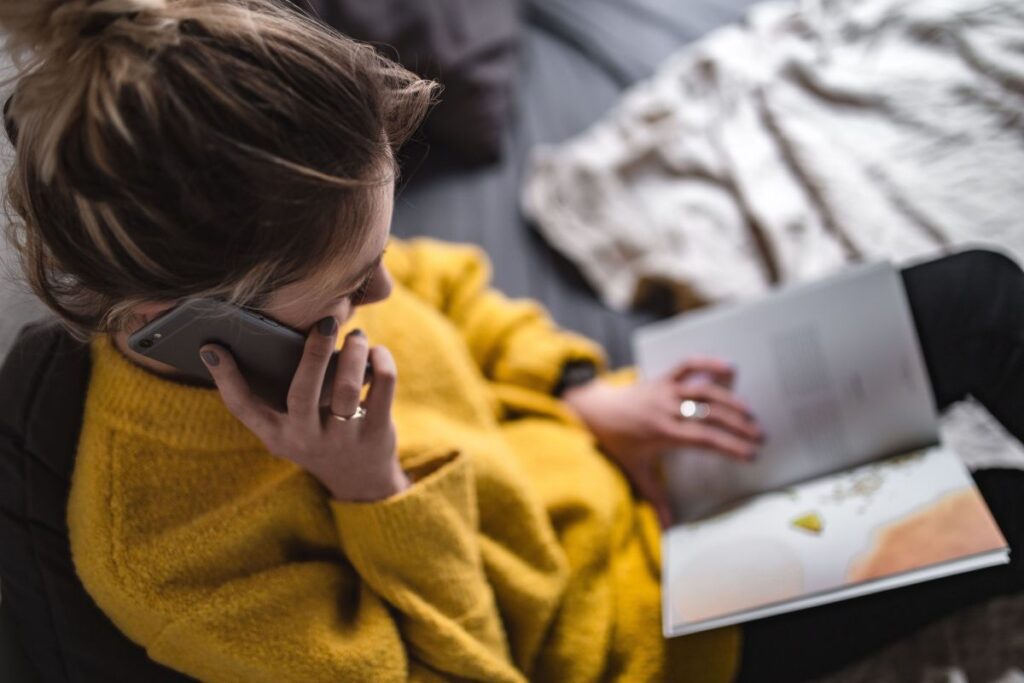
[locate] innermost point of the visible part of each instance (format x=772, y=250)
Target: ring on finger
x=694, y=410
x=359, y=414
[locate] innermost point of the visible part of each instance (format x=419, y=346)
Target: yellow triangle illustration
x=811, y=522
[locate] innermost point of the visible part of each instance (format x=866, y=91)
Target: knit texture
x=518, y=553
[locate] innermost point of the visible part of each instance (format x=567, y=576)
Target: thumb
x=235, y=391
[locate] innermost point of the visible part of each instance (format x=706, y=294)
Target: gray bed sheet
x=577, y=58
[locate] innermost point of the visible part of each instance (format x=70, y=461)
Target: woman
x=461, y=522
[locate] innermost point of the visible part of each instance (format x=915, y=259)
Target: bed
x=575, y=58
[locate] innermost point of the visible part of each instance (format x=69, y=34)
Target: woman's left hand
x=634, y=424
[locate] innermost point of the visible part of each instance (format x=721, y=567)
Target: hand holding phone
x=355, y=459
x=266, y=351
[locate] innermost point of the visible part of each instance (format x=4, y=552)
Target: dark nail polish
x=209, y=357
x=327, y=326
x=356, y=333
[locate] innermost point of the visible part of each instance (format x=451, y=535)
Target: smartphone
x=266, y=351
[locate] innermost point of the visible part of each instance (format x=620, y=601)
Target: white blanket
x=818, y=133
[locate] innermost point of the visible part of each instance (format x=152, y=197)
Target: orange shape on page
x=956, y=525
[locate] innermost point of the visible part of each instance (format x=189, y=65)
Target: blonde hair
x=174, y=148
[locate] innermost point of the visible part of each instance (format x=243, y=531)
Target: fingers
x=720, y=371
x=235, y=391
x=710, y=437
x=304, y=391
x=348, y=377
x=382, y=389
x=713, y=393
x=726, y=410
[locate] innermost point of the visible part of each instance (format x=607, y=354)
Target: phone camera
x=146, y=343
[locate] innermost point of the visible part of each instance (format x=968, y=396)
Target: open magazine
x=851, y=493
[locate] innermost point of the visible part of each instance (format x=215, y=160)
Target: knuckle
x=348, y=389
x=716, y=392
x=234, y=403
x=319, y=351
x=289, y=444
x=728, y=421
x=680, y=432
x=385, y=374
x=713, y=392
x=734, y=407
x=743, y=427
x=738, y=432
x=718, y=439
x=688, y=388
x=385, y=379
x=295, y=402
x=658, y=424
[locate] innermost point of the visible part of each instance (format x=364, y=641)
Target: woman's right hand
x=356, y=460
x=636, y=423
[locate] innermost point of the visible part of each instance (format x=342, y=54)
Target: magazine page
x=893, y=522
x=832, y=370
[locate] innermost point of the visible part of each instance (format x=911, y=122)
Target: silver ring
x=360, y=413
x=694, y=410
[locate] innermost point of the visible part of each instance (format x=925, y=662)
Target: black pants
x=969, y=312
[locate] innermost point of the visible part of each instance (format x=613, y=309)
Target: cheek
x=380, y=287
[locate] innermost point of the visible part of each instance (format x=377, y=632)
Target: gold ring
x=360, y=413
x=694, y=410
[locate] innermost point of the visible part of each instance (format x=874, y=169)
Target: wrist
x=364, y=491
x=575, y=373
x=575, y=399
x=572, y=394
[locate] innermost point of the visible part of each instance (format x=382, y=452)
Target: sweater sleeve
x=514, y=341
x=419, y=550
x=417, y=607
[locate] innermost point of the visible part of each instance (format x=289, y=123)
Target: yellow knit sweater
x=517, y=554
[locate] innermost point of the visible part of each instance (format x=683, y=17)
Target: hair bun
x=45, y=25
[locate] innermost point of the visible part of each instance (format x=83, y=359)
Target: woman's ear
x=146, y=312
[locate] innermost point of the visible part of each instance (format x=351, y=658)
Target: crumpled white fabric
x=818, y=133
x=978, y=438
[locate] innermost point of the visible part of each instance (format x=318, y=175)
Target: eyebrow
x=365, y=272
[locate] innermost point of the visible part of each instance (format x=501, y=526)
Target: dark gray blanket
x=576, y=57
